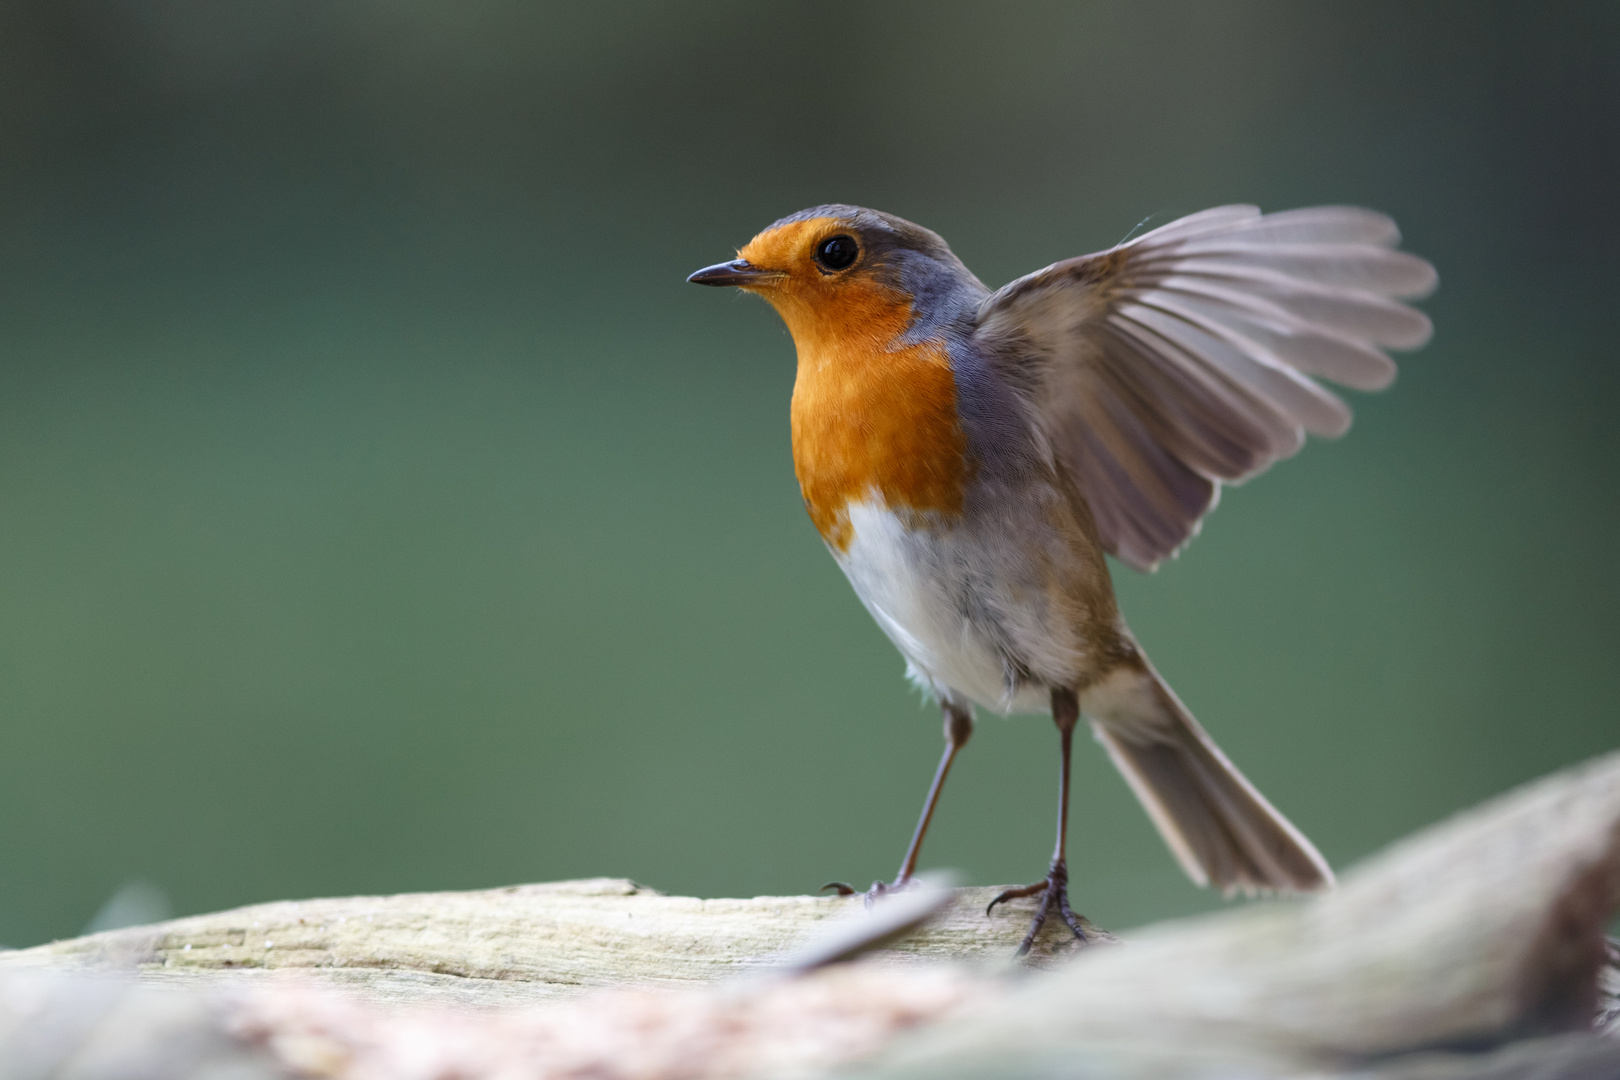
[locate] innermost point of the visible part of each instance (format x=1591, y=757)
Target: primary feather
x=1187, y=357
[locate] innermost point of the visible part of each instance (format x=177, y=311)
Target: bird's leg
x=1054, y=891
x=958, y=729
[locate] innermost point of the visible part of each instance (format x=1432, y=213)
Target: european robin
x=970, y=456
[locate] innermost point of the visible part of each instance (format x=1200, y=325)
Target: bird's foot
x=1054, y=894
x=878, y=890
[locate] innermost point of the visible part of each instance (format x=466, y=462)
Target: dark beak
x=735, y=272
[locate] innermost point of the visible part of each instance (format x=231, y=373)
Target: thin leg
x=1065, y=714
x=958, y=729
x=1054, y=891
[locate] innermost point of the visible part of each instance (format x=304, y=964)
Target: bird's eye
x=836, y=252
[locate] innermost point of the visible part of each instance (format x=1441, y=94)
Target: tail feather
x=1222, y=831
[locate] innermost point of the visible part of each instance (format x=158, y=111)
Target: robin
x=970, y=456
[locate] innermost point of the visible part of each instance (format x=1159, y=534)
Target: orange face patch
x=869, y=416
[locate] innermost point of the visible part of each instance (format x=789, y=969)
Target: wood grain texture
x=520, y=944
x=1473, y=950
x=1485, y=929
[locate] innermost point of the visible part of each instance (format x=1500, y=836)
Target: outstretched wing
x=1163, y=367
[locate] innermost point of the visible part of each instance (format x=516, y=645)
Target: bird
x=971, y=456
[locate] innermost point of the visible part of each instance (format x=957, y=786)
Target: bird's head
x=836, y=273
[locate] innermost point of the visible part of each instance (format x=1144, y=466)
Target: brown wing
x=1161, y=368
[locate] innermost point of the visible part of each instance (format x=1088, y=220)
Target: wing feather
x=1349, y=266
x=1204, y=222
x=1199, y=415
x=1186, y=358
x=1303, y=402
x=1323, y=225
x=1139, y=490
x=1307, y=349
x=1357, y=315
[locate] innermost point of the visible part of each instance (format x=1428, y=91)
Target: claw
x=843, y=888
x=1015, y=894
x=1054, y=893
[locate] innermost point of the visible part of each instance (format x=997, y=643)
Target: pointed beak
x=735, y=272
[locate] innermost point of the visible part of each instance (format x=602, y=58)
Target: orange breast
x=868, y=418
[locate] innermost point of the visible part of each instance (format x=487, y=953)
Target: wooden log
x=1474, y=949
x=1485, y=929
x=521, y=944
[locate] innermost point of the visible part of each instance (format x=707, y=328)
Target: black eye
x=837, y=252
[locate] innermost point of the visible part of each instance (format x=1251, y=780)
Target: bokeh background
x=380, y=511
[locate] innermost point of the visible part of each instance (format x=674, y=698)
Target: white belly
x=937, y=595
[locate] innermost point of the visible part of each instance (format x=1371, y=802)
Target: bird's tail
x=1222, y=831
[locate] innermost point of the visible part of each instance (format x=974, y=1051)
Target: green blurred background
x=380, y=511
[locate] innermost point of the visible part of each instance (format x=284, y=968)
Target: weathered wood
x=1472, y=950
x=1482, y=930
x=521, y=944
